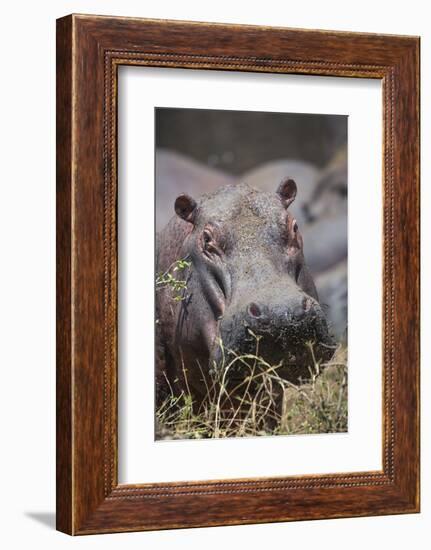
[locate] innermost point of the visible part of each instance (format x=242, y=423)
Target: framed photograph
x=237, y=274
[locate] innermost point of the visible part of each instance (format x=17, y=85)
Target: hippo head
x=248, y=279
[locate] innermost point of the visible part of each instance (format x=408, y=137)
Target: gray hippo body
x=246, y=277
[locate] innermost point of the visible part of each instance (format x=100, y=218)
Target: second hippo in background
x=332, y=288
x=326, y=235
x=329, y=196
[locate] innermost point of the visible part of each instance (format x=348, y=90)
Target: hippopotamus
x=246, y=278
x=329, y=196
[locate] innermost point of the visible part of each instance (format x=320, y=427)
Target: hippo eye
x=295, y=226
x=207, y=241
x=210, y=245
x=207, y=237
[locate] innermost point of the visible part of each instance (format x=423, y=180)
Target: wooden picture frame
x=89, y=51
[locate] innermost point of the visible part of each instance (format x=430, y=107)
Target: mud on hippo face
x=248, y=279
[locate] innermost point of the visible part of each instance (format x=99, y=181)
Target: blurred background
x=199, y=150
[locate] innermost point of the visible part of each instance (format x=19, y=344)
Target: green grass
x=263, y=403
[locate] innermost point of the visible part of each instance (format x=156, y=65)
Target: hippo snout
x=280, y=329
x=295, y=312
x=289, y=320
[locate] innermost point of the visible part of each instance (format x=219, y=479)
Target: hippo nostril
x=306, y=304
x=254, y=310
x=302, y=309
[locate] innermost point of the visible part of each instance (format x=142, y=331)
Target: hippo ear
x=287, y=191
x=185, y=207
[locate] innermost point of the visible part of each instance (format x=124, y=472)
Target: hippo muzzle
x=288, y=331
